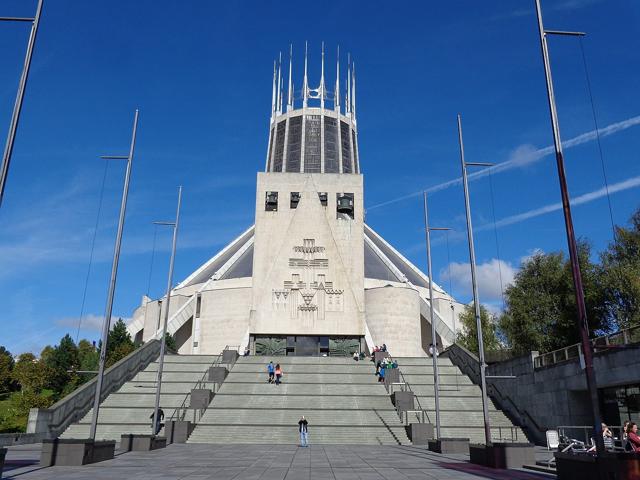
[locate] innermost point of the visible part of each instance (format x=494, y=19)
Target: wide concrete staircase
x=128, y=409
x=460, y=401
x=340, y=398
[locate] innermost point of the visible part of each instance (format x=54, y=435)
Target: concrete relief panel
x=308, y=294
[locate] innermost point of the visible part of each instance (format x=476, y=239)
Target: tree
x=32, y=375
x=62, y=361
x=468, y=337
x=119, y=343
x=620, y=275
x=170, y=342
x=6, y=368
x=88, y=356
x=541, y=312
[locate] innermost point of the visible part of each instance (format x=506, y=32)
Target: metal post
x=17, y=108
x=436, y=377
x=476, y=299
x=166, y=311
x=112, y=282
x=583, y=324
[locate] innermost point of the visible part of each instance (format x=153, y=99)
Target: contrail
x=585, y=198
x=521, y=156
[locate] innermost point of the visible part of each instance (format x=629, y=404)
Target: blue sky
x=200, y=73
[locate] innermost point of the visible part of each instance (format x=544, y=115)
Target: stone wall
x=548, y=397
x=393, y=318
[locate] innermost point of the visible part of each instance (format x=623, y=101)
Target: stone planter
x=403, y=400
x=73, y=452
x=420, y=433
x=229, y=356
x=502, y=455
x=3, y=453
x=391, y=375
x=178, y=431
x=200, y=398
x=217, y=374
x=379, y=356
x=450, y=445
x=618, y=466
x=135, y=442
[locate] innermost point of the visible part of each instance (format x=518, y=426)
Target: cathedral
x=309, y=277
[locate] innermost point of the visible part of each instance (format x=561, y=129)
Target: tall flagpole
x=17, y=108
x=476, y=299
x=114, y=273
x=166, y=310
x=583, y=324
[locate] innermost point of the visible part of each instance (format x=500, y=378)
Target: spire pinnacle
x=322, y=87
x=273, y=92
x=305, y=86
x=279, y=96
x=290, y=92
x=353, y=93
x=336, y=100
x=348, y=109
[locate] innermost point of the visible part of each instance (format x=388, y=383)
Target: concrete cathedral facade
x=309, y=277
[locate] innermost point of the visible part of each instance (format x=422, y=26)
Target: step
x=149, y=376
x=314, y=378
x=349, y=402
x=289, y=435
x=146, y=399
x=236, y=416
x=167, y=387
x=291, y=360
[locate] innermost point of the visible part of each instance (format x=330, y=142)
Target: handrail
x=408, y=385
x=180, y=412
x=469, y=364
x=55, y=419
x=628, y=336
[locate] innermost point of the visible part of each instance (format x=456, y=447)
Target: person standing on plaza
x=271, y=369
x=159, y=419
x=278, y=374
x=304, y=432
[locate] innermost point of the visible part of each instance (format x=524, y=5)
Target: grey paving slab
x=268, y=462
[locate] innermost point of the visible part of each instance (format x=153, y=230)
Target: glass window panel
x=346, y=147
x=269, y=169
x=279, y=149
x=355, y=152
x=330, y=145
x=312, y=144
x=294, y=144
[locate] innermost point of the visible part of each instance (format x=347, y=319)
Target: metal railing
x=405, y=388
x=180, y=413
x=513, y=430
x=420, y=415
x=467, y=362
x=586, y=432
x=606, y=342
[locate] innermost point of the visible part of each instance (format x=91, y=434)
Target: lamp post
x=583, y=323
x=166, y=309
x=476, y=298
x=17, y=107
x=434, y=355
x=114, y=273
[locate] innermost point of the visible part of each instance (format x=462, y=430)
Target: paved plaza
x=264, y=462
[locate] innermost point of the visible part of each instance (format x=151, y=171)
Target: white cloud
x=522, y=156
x=488, y=277
x=633, y=182
x=90, y=322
